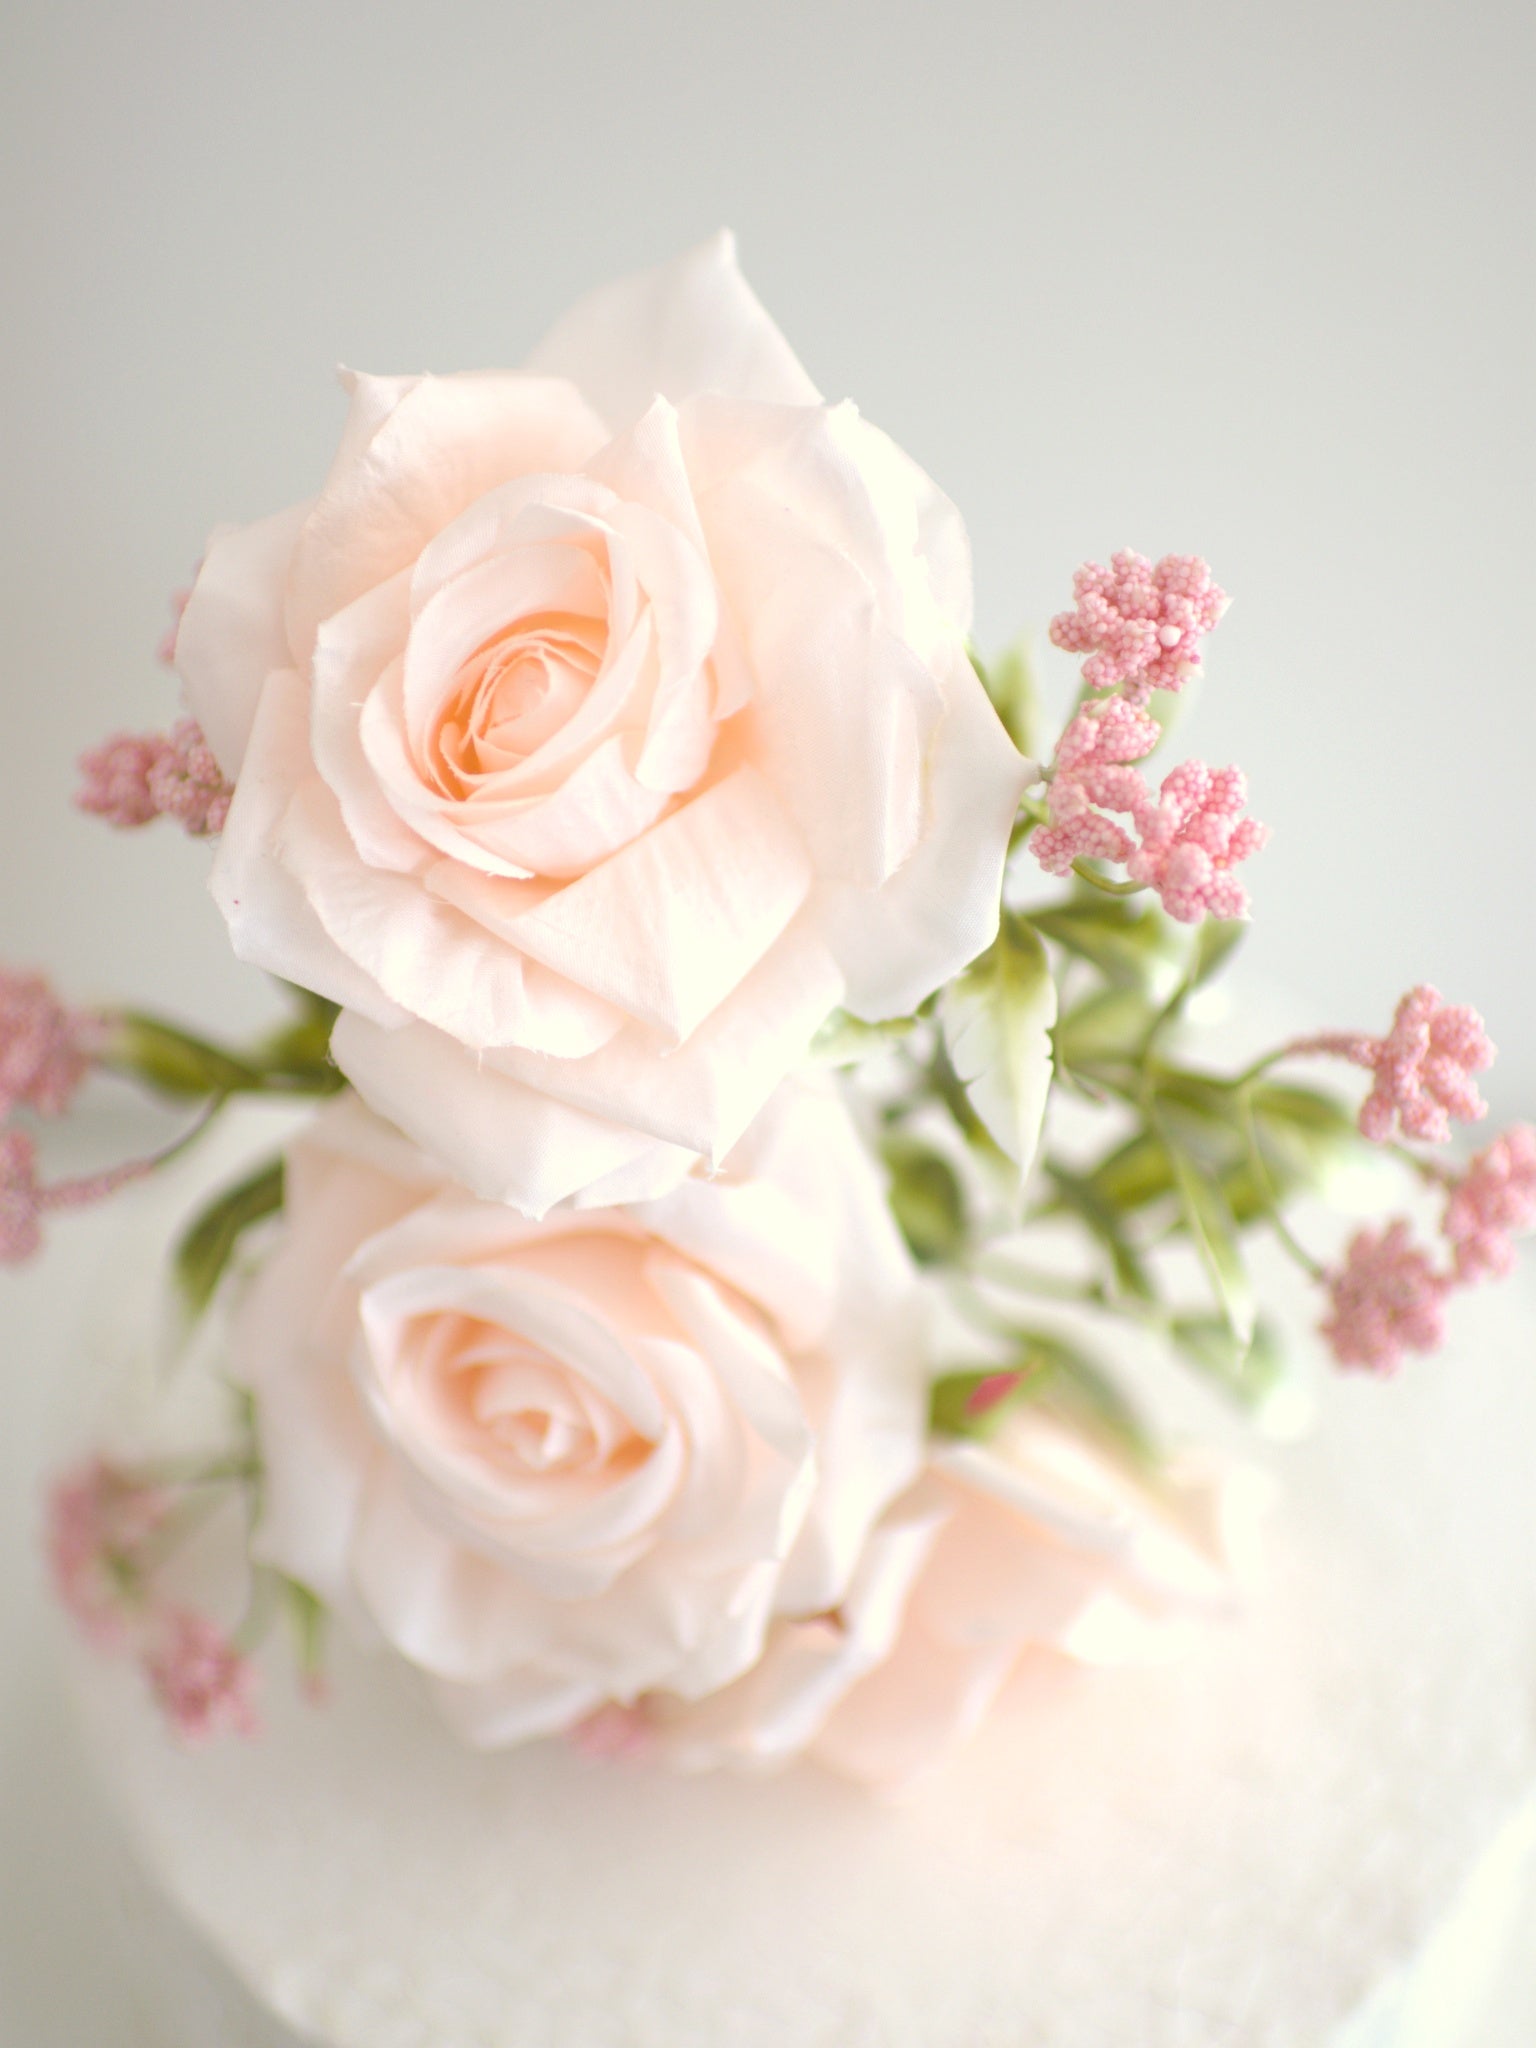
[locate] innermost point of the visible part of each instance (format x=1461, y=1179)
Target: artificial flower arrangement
x=721, y=1009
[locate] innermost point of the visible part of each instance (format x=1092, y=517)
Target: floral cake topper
x=755, y=1077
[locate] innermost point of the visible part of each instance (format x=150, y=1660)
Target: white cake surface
x=1317, y=1830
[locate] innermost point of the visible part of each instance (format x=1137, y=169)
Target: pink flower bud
x=134, y=778
x=46, y=1049
x=1384, y=1300
x=1141, y=626
x=1493, y=1199
x=199, y=1679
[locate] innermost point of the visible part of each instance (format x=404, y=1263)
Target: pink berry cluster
x=134, y=778
x=1186, y=841
x=1140, y=624
x=1388, y=1296
x=46, y=1049
x=104, y=1526
x=46, y=1052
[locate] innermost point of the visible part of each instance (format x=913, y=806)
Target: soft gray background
x=1252, y=282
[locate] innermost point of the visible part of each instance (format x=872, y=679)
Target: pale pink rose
x=1036, y=1542
x=597, y=729
x=561, y=1464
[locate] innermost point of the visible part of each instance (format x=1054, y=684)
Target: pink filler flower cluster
x=1141, y=627
x=103, y=1528
x=1388, y=1296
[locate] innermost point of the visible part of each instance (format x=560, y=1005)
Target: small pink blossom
x=134, y=778
x=1141, y=626
x=115, y=778
x=612, y=1731
x=46, y=1049
x=1192, y=840
x=1385, y=1299
x=99, y=1520
x=21, y=1199
x=1494, y=1198
x=1091, y=769
x=1424, y=1067
x=200, y=1681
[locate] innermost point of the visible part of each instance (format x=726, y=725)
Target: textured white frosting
x=1263, y=1847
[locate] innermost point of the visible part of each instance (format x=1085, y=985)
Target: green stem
x=1084, y=873
x=1272, y=1213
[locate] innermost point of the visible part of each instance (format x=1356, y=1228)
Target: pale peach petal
x=702, y=1095
x=507, y=1141
x=444, y=443
x=518, y=1705
x=271, y=921
x=826, y=664
x=232, y=634
x=424, y=955
x=597, y=809
x=940, y=908
x=353, y=651
x=690, y=325
x=670, y=925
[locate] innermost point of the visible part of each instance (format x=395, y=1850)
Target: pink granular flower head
x=613, y=1731
x=199, y=1679
x=1193, y=838
x=1140, y=625
x=1494, y=1198
x=1424, y=1068
x=1385, y=1299
x=137, y=777
x=46, y=1049
x=99, y=1520
x=21, y=1199
x=187, y=783
x=115, y=778
x=1091, y=769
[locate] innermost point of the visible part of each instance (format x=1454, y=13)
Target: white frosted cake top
x=1238, y=1849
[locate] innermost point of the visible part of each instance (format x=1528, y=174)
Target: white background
x=1253, y=282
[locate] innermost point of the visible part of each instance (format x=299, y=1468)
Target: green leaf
x=1061, y=1378
x=206, y=1247
x=1111, y=1024
x=173, y=1062
x=843, y=1040
x=307, y=1617
x=926, y=1199
x=1211, y=1226
x=1082, y=1391
x=1139, y=1172
x=996, y=1019
x=1215, y=942
x=1248, y=1373
x=1103, y=1221
x=1010, y=682
x=1132, y=946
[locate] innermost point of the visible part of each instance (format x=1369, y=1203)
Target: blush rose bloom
x=1034, y=1543
x=560, y=1464
x=598, y=729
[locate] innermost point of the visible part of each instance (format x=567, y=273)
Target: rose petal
x=232, y=634
x=940, y=908
x=271, y=920
x=509, y=1142
x=690, y=325
x=669, y=926
x=444, y=443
